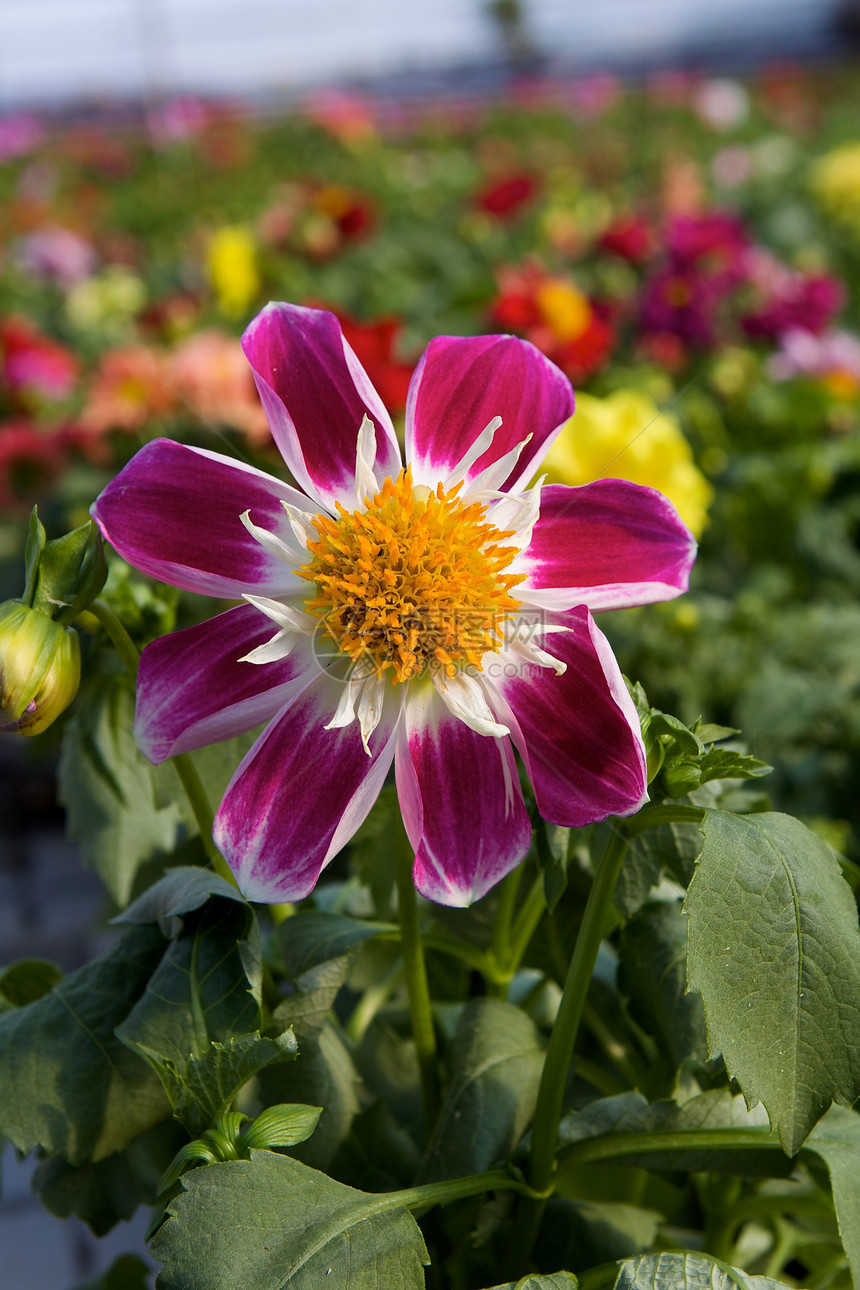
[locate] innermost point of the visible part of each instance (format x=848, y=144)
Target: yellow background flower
x=835, y=182
x=625, y=436
x=232, y=262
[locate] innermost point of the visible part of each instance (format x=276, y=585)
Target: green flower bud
x=40, y=668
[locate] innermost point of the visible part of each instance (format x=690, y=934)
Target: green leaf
x=309, y=939
x=555, y=1281
x=726, y=763
x=592, y=1232
x=66, y=1082
x=274, y=1224
x=712, y=734
x=687, y=1272
x=128, y=1272
x=282, y=1126
x=200, y=991
x=36, y=539
x=324, y=1075
x=71, y=572
x=555, y=847
x=104, y=1193
x=773, y=947
x=836, y=1140
x=313, y=995
x=667, y=726
x=628, y=1115
x=206, y=1085
x=372, y=851
x=107, y=788
x=26, y=981
x=496, y=1064
x=181, y=891
x=379, y=1154
x=652, y=972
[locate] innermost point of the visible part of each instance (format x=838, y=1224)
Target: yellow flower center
x=414, y=582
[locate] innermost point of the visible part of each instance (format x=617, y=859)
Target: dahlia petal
x=578, y=733
x=193, y=687
x=606, y=545
x=174, y=512
x=299, y=795
x=461, y=384
x=464, y=697
x=316, y=394
x=461, y=801
x=367, y=690
x=280, y=547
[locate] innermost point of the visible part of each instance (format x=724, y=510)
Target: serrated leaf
x=313, y=994
x=836, y=1140
x=652, y=972
x=630, y=1116
x=107, y=788
x=207, y=1084
x=555, y=1281
x=66, y=1082
x=687, y=1272
x=726, y=763
x=310, y=939
x=26, y=981
x=773, y=947
x=200, y=991
x=181, y=891
x=497, y=1058
x=275, y=1224
x=323, y=1075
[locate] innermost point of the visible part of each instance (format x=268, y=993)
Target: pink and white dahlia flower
x=436, y=617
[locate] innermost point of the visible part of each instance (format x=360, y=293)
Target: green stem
x=440, y=1193
x=623, y=1060
x=525, y=923
x=561, y=1045
x=500, y=949
x=415, y=971
x=199, y=803
x=469, y=954
x=613, y=1146
x=566, y=1028
x=185, y=769
x=119, y=637
x=372, y=1000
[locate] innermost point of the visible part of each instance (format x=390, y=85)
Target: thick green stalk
x=613, y=1146
x=561, y=1045
x=440, y=1193
x=119, y=637
x=566, y=1028
x=415, y=971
